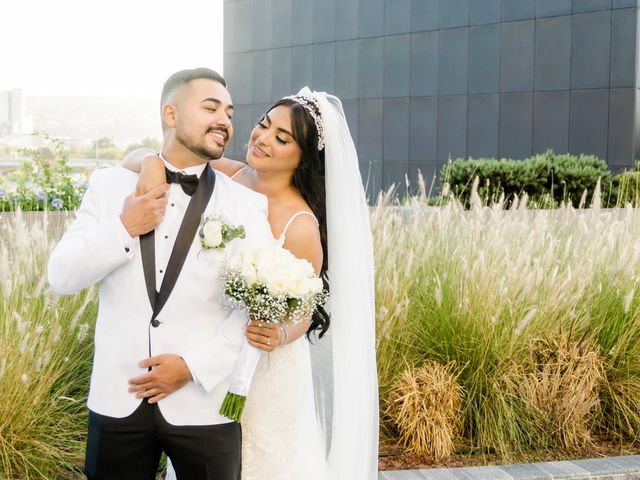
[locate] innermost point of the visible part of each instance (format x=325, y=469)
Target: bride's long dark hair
x=308, y=179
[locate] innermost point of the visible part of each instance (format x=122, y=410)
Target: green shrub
x=548, y=179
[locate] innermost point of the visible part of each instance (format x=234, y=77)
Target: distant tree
x=104, y=148
x=103, y=143
x=148, y=142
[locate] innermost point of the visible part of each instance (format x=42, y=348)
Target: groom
x=164, y=345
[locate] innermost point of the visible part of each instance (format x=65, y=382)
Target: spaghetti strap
x=293, y=217
x=237, y=172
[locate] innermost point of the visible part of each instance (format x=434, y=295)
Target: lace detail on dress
x=281, y=437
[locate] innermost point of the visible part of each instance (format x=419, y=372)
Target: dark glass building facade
x=423, y=81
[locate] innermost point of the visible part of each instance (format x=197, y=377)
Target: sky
x=112, y=48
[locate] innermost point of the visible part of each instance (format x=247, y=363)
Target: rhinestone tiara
x=312, y=107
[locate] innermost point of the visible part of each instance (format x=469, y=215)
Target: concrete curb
x=614, y=468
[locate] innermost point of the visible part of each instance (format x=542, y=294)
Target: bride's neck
x=273, y=185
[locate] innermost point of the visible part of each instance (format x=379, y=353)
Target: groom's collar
x=195, y=170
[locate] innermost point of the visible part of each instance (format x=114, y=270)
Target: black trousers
x=129, y=448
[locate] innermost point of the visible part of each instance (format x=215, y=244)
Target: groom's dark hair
x=182, y=78
x=185, y=76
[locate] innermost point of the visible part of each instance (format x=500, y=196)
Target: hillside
x=126, y=120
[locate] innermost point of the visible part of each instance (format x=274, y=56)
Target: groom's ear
x=169, y=115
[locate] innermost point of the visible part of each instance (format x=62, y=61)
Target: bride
x=301, y=156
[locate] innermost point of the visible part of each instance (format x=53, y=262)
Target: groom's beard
x=200, y=146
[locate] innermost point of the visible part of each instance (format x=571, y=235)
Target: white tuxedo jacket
x=193, y=322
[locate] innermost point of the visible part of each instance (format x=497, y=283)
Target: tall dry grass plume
x=425, y=407
x=560, y=382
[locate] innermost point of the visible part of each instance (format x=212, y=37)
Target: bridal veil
x=351, y=405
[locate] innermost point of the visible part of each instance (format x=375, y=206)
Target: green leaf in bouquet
x=293, y=304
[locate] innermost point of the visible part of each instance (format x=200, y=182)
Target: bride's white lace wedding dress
x=281, y=435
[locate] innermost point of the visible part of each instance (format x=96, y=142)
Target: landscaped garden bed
x=504, y=335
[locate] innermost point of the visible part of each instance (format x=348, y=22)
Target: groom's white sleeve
x=91, y=248
x=212, y=362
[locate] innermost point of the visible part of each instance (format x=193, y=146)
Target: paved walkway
x=614, y=468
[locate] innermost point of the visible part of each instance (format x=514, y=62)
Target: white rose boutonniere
x=212, y=234
x=216, y=233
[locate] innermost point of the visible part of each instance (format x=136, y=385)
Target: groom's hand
x=169, y=373
x=142, y=214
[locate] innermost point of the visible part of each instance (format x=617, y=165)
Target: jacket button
x=155, y=323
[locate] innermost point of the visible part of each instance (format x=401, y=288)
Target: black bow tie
x=187, y=182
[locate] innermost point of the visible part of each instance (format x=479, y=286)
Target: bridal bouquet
x=271, y=285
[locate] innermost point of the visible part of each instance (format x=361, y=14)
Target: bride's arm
x=303, y=240
x=134, y=159
x=227, y=166
x=150, y=166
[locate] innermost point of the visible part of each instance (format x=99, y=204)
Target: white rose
x=277, y=286
x=306, y=269
x=267, y=276
x=248, y=272
x=266, y=259
x=313, y=285
x=212, y=231
x=296, y=288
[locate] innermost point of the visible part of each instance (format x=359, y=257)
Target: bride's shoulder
x=298, y=223
x=302, y=238
x=233, y=187
x=227, y=166
x=302, y=225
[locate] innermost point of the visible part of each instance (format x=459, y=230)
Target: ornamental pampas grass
x=45, y=355
x=560, y=381
x=475, y=286
x=425, y=408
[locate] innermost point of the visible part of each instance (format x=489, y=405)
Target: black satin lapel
x=186, y=234
x=148, y=253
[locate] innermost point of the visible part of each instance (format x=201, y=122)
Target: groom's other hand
x=141, y=214
x=168, y=373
